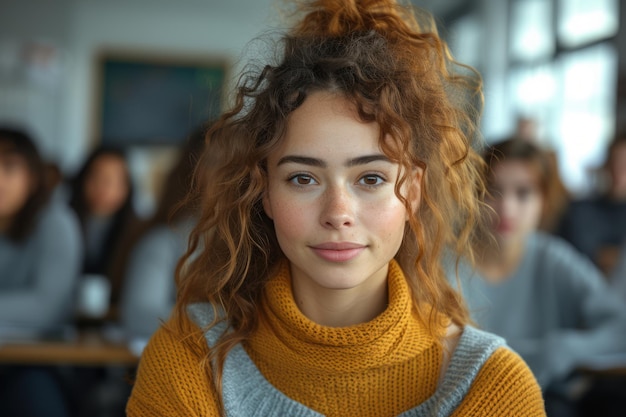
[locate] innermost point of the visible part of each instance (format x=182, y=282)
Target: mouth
x=338, y=251
x=504, y=227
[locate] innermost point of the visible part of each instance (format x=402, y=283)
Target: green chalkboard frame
x=155, y=99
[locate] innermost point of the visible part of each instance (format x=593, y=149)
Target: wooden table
x=88, y=349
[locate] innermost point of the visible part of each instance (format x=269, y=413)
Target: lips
x=504, y=227
x=338, y=251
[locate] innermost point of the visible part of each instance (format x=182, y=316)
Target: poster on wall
x=155, y=100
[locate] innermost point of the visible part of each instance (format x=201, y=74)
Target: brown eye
x=302, y=179
x=524, y=193
x=371, y=180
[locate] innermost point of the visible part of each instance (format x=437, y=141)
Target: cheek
x=537, y=212
x=531, y=211
x=494, y=210
x=16, y=190
x=388, y=219
x=19, y=189
x=290, y=219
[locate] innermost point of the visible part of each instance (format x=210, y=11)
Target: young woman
x=101, y=196
x=312, y=284
x=40, y=254
x=38, y=275
x=548, y=301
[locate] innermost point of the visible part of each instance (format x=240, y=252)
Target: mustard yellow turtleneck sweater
x=380, y=368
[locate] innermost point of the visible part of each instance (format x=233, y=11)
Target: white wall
x=59, y=109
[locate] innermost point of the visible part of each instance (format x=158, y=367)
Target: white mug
x=93, y=295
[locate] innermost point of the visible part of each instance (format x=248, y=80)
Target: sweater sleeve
x=171, y=381
x=47, y=300
x=593, y=318
x=149, y=290
x=504, y=386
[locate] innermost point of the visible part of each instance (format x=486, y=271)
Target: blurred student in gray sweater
x=548, y=301
x=149, y=291
x=40, y=258
x=40, y=251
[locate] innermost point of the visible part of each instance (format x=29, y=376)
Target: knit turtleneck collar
x=287, y=338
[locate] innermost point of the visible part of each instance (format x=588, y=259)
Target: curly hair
x=396, y=72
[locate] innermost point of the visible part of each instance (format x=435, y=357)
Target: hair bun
x=336, y=18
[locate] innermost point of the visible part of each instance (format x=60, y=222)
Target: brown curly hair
x=398, y=73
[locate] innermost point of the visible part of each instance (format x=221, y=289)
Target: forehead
x=9, y=153
x=7, y=148
x=328, y=125
x=515, y=173
x=108, y=161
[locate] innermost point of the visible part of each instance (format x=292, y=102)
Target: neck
x=341, y=307
x=499, y=260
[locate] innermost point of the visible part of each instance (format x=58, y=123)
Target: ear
x=414, y=188
x=267, y=206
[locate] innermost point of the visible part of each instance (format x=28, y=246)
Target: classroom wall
x=57, y=102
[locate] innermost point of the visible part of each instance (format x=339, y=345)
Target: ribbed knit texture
x=294, y=367
x=387, y=365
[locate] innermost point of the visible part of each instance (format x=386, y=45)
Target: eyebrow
x=305, y=160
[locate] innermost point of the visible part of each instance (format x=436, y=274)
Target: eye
x=524, y=193
x=371, y=180
x=302, y=179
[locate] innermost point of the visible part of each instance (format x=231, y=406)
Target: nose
x=337, y=208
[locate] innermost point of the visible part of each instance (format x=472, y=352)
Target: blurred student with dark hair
x=549, y=302
x=596, y=226
x=37, y=273
x=149, y=290
x=40, y=255
x=102, y=197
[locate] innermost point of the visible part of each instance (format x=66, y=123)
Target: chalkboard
x=156, y=102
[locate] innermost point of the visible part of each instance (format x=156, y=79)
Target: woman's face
x=331, y=197
x=16, y=183
x=106, y=185
x=516, y=199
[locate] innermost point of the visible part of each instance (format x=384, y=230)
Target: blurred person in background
x=527, y=128
x=149, y=290
x=102, y=197
x=596, y=226
x=37, y=274
x=40, y=255
x=549, y=302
